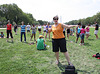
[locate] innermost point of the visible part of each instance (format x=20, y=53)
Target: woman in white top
x=39, y=29
x=44, y=29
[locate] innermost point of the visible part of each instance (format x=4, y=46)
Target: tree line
x=86, y=21
x=13, y=13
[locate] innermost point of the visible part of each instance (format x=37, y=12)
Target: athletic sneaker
x=57, y=62
x=69, y=63
x=80, y=44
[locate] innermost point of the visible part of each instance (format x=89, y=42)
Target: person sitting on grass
x=1, y=35
x=82, y=33
x=40, y=43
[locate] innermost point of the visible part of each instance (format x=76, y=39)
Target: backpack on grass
x=97, y=55
x=69, y=70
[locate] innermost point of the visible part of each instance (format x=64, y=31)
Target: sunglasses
x=55, y=19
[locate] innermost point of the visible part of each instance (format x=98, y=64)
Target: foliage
x=13, y=13
x=86, y=21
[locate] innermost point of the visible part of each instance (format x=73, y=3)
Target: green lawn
x=22, y=58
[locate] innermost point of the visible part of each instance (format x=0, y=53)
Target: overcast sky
x=66, y=9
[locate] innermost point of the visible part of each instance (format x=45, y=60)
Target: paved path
x=2, y=28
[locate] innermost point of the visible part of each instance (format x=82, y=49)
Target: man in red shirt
x=9, y=30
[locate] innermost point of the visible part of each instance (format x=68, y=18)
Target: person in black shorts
x=39, y=29
x=68, y=32
x=58, y=39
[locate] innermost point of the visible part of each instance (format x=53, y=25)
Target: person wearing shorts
x=96, y=30
x=39, y=29
x=78, y=28
x=68, y=32
x=87, y=32
x=58, y=39
x=9, y=30
x=28, y=28
x=33, y=32
x=82, y=33
x=47, y=27
x=44, y=29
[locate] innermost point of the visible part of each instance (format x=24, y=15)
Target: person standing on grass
x=96, y=30
x=28, y=28
x=82, y=33
x=15, y=29
x=47, y=27
x=33, y=32
x=9, y=30
x=87, y=32
x=78, y=28
x=44, y=29
x=68, y=32
x=64, y=31
x=39, y=29
x=23, y=31
x=58, y=39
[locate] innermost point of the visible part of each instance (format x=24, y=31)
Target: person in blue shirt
x=23, y=31
x=78, y=29
x=1, y=35
x=47, y=27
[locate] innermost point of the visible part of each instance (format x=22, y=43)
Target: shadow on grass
x=62, y=68
x=10, y=42
x=42, y=49
x=49, y=40
x=87, y=44
x=91, y=39
x=25, y=42
x=84, y=71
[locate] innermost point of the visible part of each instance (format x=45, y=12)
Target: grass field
x=22, y=58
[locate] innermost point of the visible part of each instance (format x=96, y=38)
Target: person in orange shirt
x=58, y=39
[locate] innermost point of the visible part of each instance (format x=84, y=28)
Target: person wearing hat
x=40, y=43
x=9, y=30
x=58, y=39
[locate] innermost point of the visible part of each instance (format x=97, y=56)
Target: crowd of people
x=58, y=30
